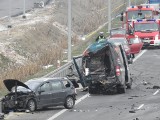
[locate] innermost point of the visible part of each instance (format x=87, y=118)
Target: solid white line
x=64, y=110
x=140, y=106
x=139, y=55
x=156, y=92
x=3, y=17
x=82, y=98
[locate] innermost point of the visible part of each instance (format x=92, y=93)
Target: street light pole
x=24, y=9
x=129, y=3
x=9, y=12
x=69, y=30
x=135, y=2
x=109, y=15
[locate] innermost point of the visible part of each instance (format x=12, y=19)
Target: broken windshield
x=146, y=27
x=136, y=14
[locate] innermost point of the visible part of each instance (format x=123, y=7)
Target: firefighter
x=101, y=36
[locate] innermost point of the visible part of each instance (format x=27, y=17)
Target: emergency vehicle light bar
x=150, y=20
x=139, y=20
x=146, y=20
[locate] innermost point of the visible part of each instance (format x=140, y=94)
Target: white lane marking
x=82, y=98
x=140, y=106
x=156, y=92
x=3, y=17
x=64, y=110
x=139, y=55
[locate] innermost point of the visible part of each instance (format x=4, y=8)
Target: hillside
x=41, y=38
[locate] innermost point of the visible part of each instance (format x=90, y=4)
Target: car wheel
x=3, y=108
x=92, y=90
x=69, y=102
x=121, y=89
x=31, y=105
x=129, y=86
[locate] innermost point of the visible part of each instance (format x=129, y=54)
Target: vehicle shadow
x=50, y=109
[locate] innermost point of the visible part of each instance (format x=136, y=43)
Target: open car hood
x=10, y=83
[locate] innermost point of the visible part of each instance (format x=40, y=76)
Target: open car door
x=135, y=45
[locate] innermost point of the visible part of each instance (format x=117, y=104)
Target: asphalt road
x=16, y=6
x=139, y=103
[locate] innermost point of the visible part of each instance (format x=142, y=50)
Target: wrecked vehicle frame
x=99, y=76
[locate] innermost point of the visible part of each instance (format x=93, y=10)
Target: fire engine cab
x=147, y=30
x=137, y=12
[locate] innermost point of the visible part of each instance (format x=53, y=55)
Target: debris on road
x=156, y=87
x=132, y=109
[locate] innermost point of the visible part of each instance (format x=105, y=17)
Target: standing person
x=101, y=36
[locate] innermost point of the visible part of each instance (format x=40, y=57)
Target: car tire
x=31, y=105
x=121, y=89
x=69, y=102
x=92, y=90
x=129, y=86
x=3, y=108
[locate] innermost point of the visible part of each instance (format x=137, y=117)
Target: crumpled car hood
x=10, y=83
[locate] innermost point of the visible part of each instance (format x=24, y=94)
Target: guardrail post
x=69, y=30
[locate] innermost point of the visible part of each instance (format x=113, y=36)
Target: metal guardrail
x=64, y=70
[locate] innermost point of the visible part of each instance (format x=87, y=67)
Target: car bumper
x=149, y=43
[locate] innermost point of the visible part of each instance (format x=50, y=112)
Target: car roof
x=43, y=79
x=117, y=38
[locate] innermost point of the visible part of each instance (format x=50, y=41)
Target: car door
x=135, y=45
x=44, y=94
x=58, y=92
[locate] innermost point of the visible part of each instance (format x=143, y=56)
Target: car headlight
x=156, y=37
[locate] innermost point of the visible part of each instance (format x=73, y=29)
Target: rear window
x=66, y=84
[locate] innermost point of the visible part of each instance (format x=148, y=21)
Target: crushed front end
x=15, y=101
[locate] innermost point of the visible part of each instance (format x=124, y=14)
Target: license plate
x=146, y=41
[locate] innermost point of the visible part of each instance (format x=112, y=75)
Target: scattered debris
x=145, y=83
x=136, y=119
x=130, y=98
x=1, y=116
x=27, y=111
x=156, y=87
x=135, y=96
x=132, y=109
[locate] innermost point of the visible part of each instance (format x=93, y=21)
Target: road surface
x=139, y=103
x=14, y=7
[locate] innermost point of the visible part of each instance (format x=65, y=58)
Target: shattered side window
x=46, y=87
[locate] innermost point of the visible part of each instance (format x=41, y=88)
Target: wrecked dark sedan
x=38, y=93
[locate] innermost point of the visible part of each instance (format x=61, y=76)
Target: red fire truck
x=147, y=30
x=137, y=12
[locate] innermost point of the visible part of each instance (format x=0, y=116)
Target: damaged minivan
x=104, y=68
x=38, y=93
